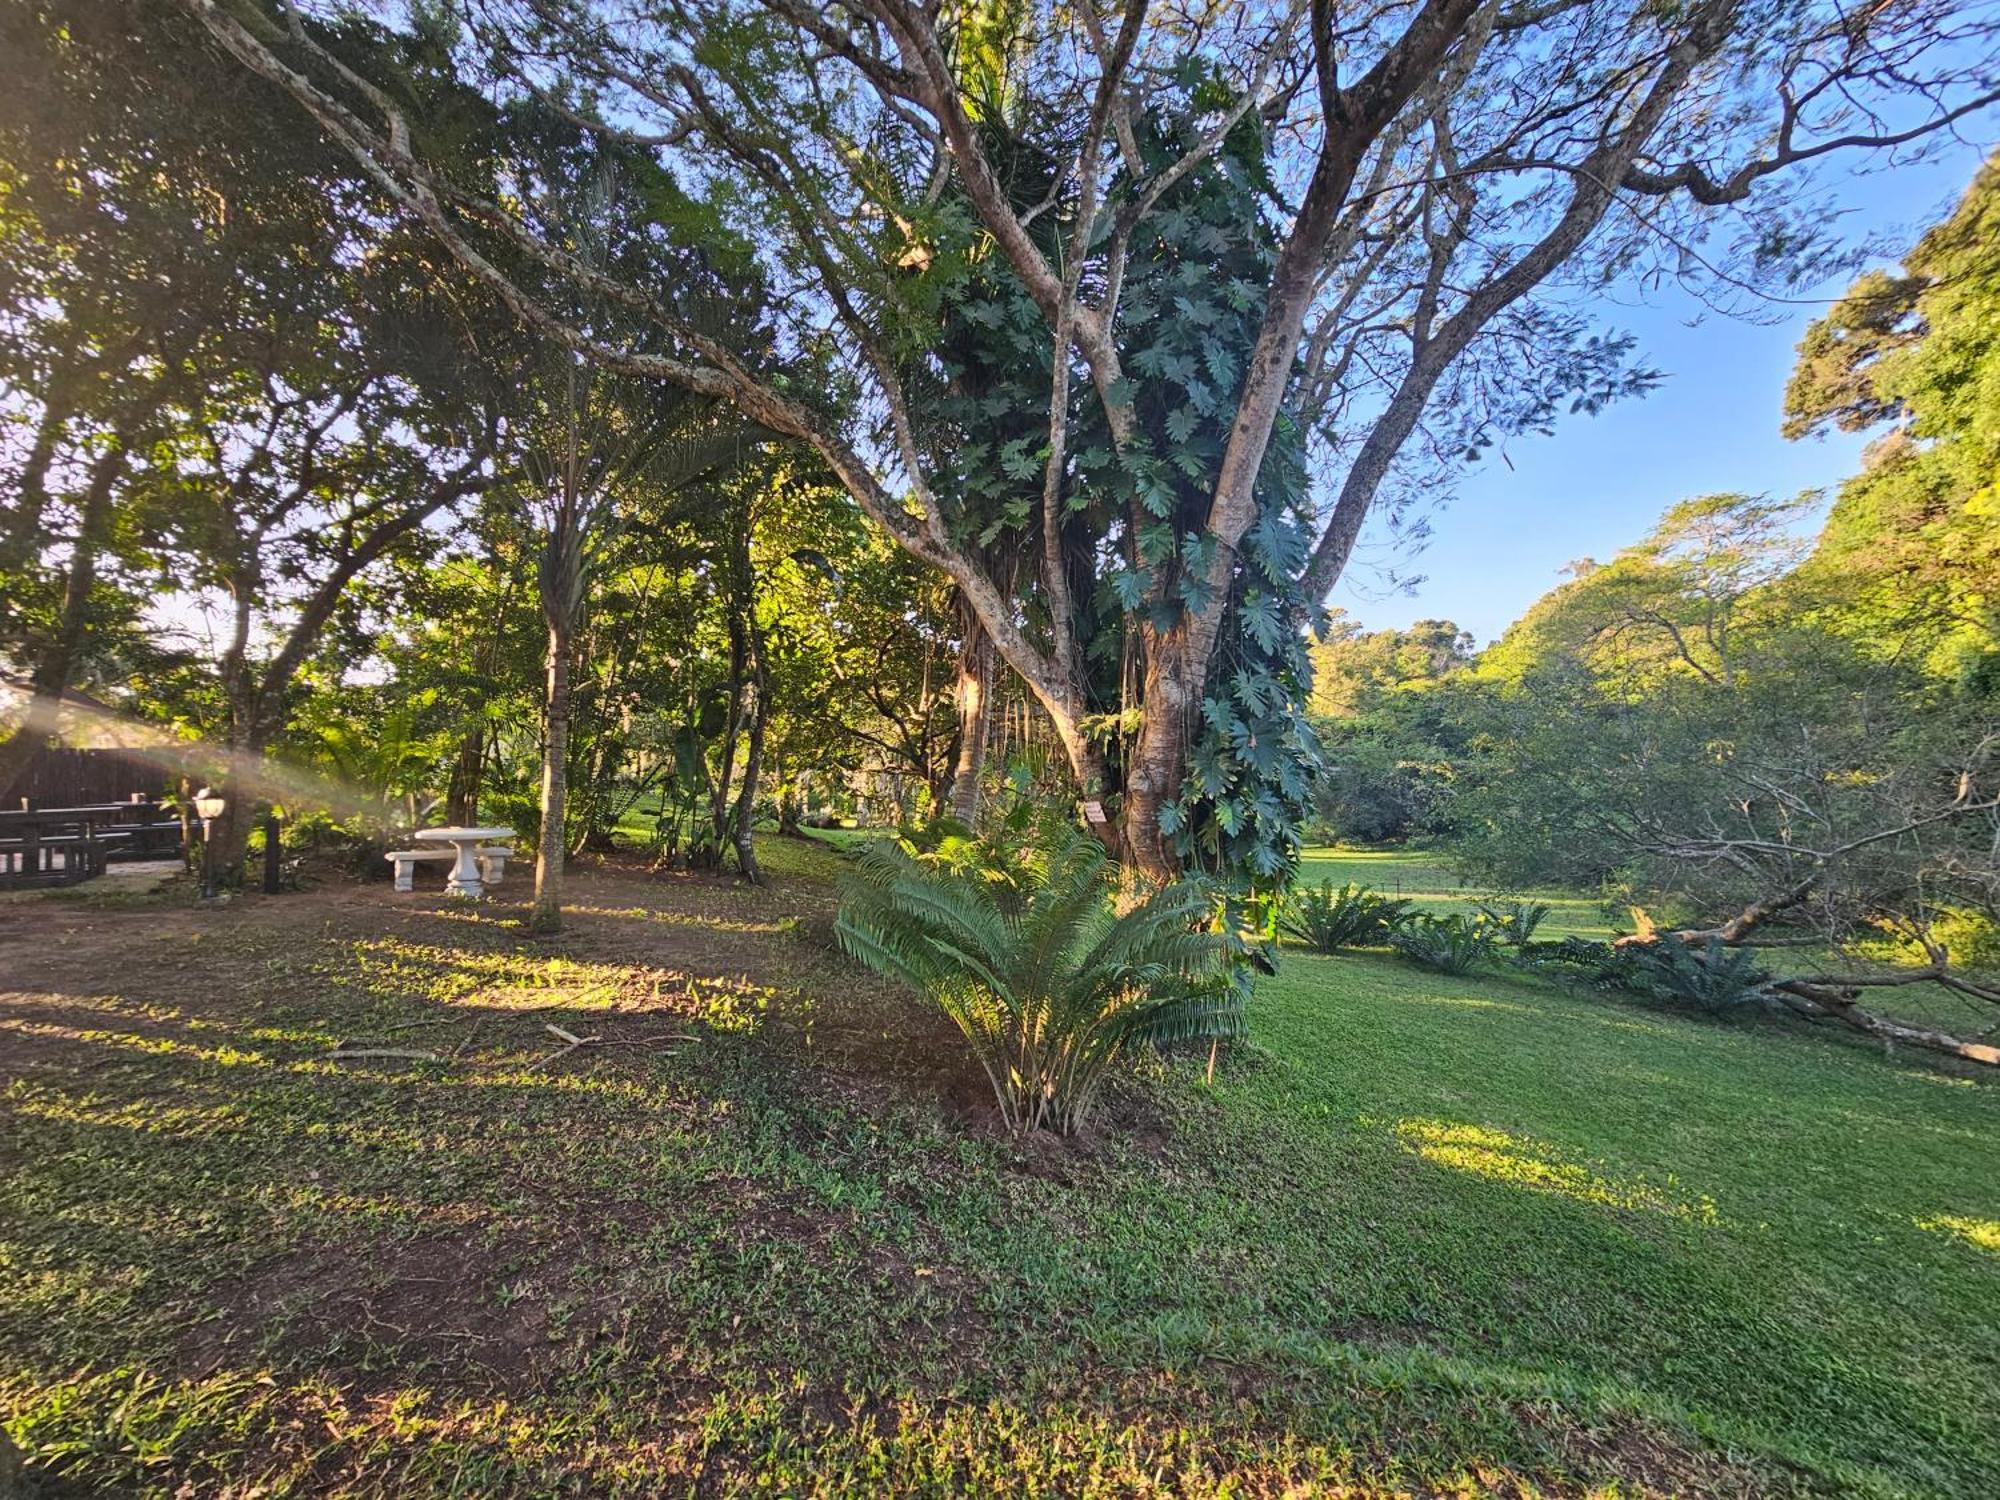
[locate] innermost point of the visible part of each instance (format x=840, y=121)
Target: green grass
x=1424, y=1235
x=846, y=840
x=1433, y=888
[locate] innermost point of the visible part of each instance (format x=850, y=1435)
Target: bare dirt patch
x=441, y=1301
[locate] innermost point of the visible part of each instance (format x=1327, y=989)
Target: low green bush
x=1353, y=916
x=1577, y=962
x=1712, y=978
x=1030, y=958
x=1446, y=945
x=1514, y=922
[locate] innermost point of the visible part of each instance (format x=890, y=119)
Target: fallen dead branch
x=1836, y=997
x=573, y=1043
x=344, y=1053
x=471, y=1035
x=1827, y=1002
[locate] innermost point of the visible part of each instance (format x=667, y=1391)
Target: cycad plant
x=1514, y=922
x=1327, y=920
x=1712, y=978
x=1446, y=945
x=1033, y=962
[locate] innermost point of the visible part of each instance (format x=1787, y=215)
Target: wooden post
x=274, y=853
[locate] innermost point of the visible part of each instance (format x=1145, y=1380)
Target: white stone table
x=465, y=879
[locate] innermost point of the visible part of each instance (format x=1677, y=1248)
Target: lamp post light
x=208, y=805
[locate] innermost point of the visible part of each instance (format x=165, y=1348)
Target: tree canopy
x=1228, y=242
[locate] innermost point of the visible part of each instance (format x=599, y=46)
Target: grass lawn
x=1431, y=887
x=1424, y=1236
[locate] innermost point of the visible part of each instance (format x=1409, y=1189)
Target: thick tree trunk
x=56, y=666
x=251, y=728
x=549, y=848
x=229, y=835
x=789, y=800
x=975, y=714
x=1173, y=681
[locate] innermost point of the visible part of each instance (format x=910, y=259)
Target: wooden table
x=62, y=845
x=464, y=879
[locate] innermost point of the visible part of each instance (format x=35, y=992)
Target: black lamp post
x=209, y=805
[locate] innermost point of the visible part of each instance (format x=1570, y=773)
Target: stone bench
x=492, y=863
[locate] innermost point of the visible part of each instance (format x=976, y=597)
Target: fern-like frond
x=1029, y=958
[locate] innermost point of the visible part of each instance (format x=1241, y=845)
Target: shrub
x=1514, y=922
x=1445, y=945
x=1712, y=978
x=1327, y=920
x=1972, y=938
x=1030, y=960
x=1575, y=960
x=352, y=846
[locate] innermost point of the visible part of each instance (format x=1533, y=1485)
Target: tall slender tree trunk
x=753, y=758
x=975, y=715
x=56, y=665
x=549, y=849
x=719, y=804
x=467, y=770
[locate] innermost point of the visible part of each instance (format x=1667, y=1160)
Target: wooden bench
x=42, y=857
x=148, y=829
x=492, y=863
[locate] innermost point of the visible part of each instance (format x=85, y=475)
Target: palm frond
x=1028, y=957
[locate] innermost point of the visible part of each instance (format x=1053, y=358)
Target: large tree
x=245, y=380
x=1444, y=183
x=148, y=240
x=1912, y=546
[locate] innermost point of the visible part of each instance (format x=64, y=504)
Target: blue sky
x=1600, y=482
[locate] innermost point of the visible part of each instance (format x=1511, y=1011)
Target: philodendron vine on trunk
x=1451, y=183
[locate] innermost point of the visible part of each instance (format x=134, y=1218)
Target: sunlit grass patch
x=134, y=1423
x=150, y=1116
x=1524, y=1162
x=1982, y=1233
x=1467, y=1002
x=108, y=1005
x=398, y=971
x=130, y=1041
x=698, y=921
